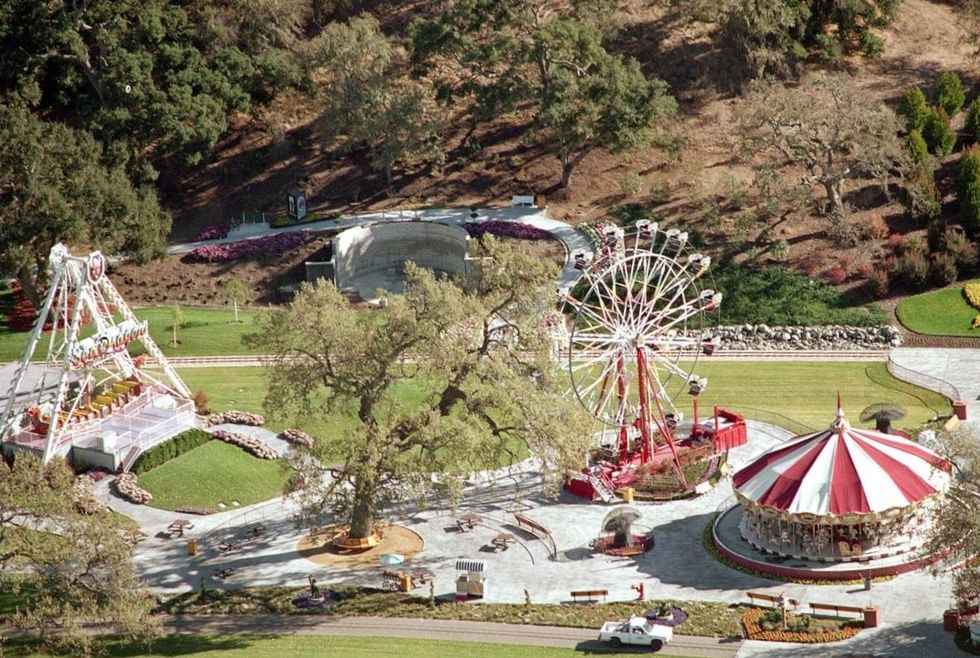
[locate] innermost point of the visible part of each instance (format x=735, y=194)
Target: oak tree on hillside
x=57, y=184
x=152, y=77
x=479, y=353
x=369, y=102
x=65, y=558
x=549, y=58
x=827, y=129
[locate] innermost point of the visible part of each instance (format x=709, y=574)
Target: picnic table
x=467, y=521
x=224, y=573
x=256, y=531
x=421, y=577
x=503, y=540
x=133, y=536
x=178, y=527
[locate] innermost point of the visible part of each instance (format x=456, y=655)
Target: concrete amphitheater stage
x=372, y=258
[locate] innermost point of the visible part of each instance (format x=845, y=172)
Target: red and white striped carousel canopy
x=840, y=471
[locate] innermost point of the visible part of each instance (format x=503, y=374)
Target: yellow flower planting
x=972, y=293
x=754, y=631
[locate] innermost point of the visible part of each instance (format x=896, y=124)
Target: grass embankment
x=705, y=619
x=213, y=473
x=205, y=332
x=315, y=646
x=807, y=391
x=940, y=313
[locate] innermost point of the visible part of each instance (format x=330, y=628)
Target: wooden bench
x=770, y=600
x=590, y=594
x=836, y=608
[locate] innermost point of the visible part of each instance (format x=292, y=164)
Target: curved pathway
x=958, y=366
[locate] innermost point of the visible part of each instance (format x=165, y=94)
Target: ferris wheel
x=636, y=326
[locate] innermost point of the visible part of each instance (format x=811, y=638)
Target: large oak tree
x=478, y=352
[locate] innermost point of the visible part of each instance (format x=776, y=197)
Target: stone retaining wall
x=763, y=337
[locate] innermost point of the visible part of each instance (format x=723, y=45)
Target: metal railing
x=773, y=418
x=922, y=379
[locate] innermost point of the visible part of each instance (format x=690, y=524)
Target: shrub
x=969, y=170
x=835, y=275
x=828, y=47
x=922, y=196
x=937, y=133
x=972, y=128
x=629, y=213
x=872, y=46
x=778, y=296
x=962, y=249
x=201, y=402
x=936, y=236
x=914, y=109
x=970, y=210
x=876, y=228
x=631, y=184
x=169, y=449
x=877, y=283
x=214, y=232
x=916, y=146
x=943, y=269
x=913, y=268
x=947, y=92
x=780, y=249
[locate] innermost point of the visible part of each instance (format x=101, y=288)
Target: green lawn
x=940, y=313
x=212, y=473
x=807, y=391
x=206, y=332
x=314, y=646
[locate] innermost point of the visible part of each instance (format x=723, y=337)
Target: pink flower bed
x=234, y=417
x=128, y=488
x=298, y=437
x=247, y=443
x=229, y=251
x=506, y=229
x=214, y=232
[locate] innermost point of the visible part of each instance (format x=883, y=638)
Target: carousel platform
x=885, y=561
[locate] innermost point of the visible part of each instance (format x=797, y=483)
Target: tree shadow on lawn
x=170, y=645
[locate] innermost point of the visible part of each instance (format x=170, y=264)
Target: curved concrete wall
x=370, y=257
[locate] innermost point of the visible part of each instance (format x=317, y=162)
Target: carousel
x=840, y=495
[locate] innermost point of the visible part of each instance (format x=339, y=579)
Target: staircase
x=130, y=458
x=603, y=487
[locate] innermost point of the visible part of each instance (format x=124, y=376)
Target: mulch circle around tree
x=319, y=547
x=677, y=617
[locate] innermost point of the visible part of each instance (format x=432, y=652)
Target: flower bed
x=84, y=498
x=760, y=624
x=214, y=232
x=201, y=511
x=506, y=229
x=247, y=443
x=297, y=437
x=305, y=599
x=229, y=251
x=128, y=488
x=972, y=293
x=234, y=417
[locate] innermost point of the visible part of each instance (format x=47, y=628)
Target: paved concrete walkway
x=960, y=367
x=571, y=238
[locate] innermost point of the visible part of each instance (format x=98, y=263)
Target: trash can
x=628, y=494
x=951, y=621
x=192, y=547
x=871, y=617
x=404, y=582
x=959, y=409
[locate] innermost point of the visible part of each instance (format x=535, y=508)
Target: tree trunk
x=362, y=512
x=835, y=193
x=236, y=310
x=30, y=290
x=623, y=538
x=567, y=165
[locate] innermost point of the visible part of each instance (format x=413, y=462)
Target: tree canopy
x=548, y=58
x=58, y=184
x=479, y=353
x=66, y=558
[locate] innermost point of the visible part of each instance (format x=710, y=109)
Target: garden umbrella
x=883, y=413
x=620, y=522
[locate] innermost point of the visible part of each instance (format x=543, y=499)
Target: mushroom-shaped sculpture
x=883, y=413
x=620, y=522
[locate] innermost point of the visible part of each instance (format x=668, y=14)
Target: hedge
x=170, y=448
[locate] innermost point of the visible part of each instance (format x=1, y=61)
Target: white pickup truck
x=635, y=631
